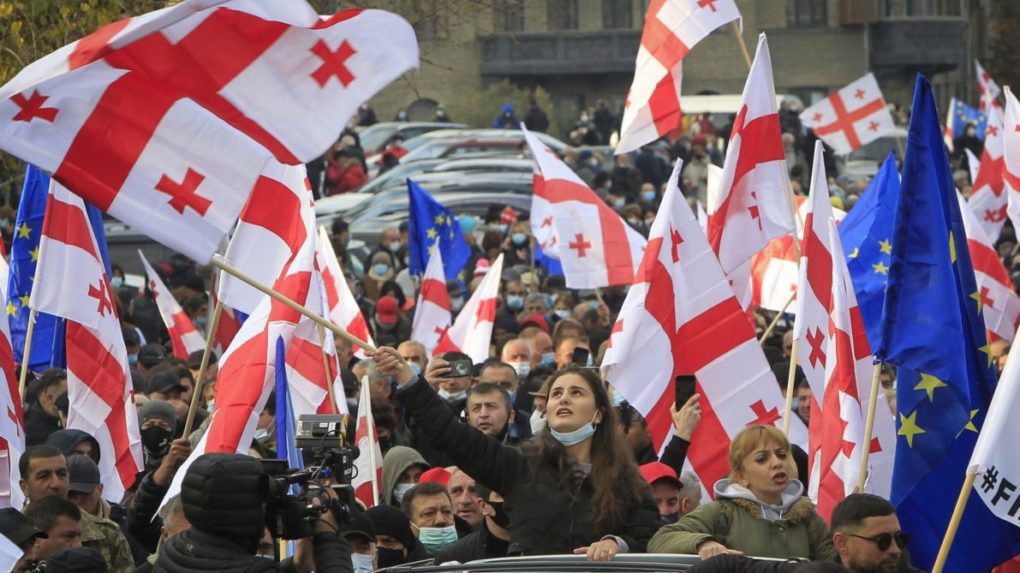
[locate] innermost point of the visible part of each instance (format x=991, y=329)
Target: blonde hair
x=750, y=439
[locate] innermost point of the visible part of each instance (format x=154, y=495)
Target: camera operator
x=224, y=498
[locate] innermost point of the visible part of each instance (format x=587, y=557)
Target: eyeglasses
x=884, y=540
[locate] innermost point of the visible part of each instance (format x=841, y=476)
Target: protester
x=396, y=544
x=867, y=535
x=20, y=531
x=402, y=468
x=490, y=540
x=41, y=416
x=430, y=509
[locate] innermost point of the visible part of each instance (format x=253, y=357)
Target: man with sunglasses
x=867, y=535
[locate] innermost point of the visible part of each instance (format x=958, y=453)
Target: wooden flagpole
x=740, y=40
x=869, y=427
x=27, y=354
x=954, y=522
x=218, y=262
x=775, y=320
x=325, y=364
x=791, y=376
x=196, y=394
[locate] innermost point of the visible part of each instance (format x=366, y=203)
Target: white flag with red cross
x=343, y=307
x=1011, y=156
x=368, y=478
x=12, y=420
x=998, y=301
x=672, y=28
x=471, y=333
x=229, y=324
x=268, y=234
x=987, y=87
x=432, y=314
x=988, y=197
x=70, y=282
x=834, y=354
x=680, y=317
x=542, y=217
x=851, y=117
x=184, y=337
x=753, y=206
x=596, y=246
x=167, y=120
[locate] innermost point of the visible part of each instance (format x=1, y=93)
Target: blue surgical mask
x=210, y=405
x=400, y=489
x=380, y=269
x=519, y=239
x=436, y=538
x=362, y=563
x=415, y=367
x=617, y=398
x=577, y=436
x=501, y=227
x=456, y=304
x=514, y=301
x=648, y=196
x=548, y=299
x=618, y=204
x=117, y=282
x=548, y=360
x=132, y=359
x=562, y=313
x=393, y=247
x=201, y=321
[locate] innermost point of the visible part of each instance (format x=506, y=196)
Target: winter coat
x=140, y=522
x=479, y=544
x=195, y=551
x=543, y=519
x=739, y=521
x=39, y=425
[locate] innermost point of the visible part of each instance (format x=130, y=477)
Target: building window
x=617, y=14
x=806, y=13
x=922, y=8
x=508, y=15
x=562, y=14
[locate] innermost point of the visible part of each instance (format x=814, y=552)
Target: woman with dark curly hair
x=576, y=489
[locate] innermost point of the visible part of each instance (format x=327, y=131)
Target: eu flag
x=963, y=115
x=933, y=331
x=48, y=336
x=866, y=232
x=286, y=426
x=430, y=223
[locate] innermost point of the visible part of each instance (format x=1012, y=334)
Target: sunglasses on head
x=884, y=540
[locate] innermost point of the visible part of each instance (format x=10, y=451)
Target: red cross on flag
x=269, y=232
x=1011, y=155
x=988, y=198
x=343, y=307
x=999, y=303
x=432, y=315
x=12, y=421
x=594, y=244
x=70, y=282
x=672, y=28
x=368, y=476
x=986, y=86
x=543, y=217
x=184, y=337
x=471, y=333
x=680, y=317
x=851, y=117
x=752, y=204
x=167, y=120
x=836, y=359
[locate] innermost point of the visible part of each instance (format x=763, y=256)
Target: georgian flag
x=70, y=282
x=167, y=120
x=1011, y=156
x=680, y=317
x=595, y=245
x=999, y=303
x=432, y=315
x=987, y=86
x=184, y=337
x=471, y=333
x=851, y=117
x=12, y=419
x=368, y=478
x=343, y=307
x=988, y=197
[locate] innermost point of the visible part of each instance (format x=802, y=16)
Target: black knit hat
x=76, y=560
x=223, y=494
x=389, y=520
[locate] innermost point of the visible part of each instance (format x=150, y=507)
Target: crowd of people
x=529, y=452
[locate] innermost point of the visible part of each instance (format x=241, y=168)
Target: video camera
x=296, y=498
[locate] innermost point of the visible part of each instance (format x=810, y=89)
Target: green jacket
x=737, y=524
x=105, y=537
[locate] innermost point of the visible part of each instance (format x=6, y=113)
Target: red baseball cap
x=655, y=471
x=535, y=320
x=435, y=475
x=386, y=309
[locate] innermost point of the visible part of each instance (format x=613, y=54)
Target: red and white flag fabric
x=987, y=87
x=542, y=217
x=680, y=317
x=1011, y=156
x=672, y=28
x=596, y=247
x=471, y=333
x=368, y=477
x=851, y=117
x=432, y=314
x=999, y=303
x=988, y=194
x=343, y=307
x=12, y=419
x=229, y=323
x=108, y=120
x=833, y=352
x=753, y=206
x=70, y=282
x=184, y=337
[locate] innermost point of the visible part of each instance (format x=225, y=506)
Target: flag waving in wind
x=471, y=333
x=851, y=117
x=430, y=224
x=184, y=337
x=432, y=315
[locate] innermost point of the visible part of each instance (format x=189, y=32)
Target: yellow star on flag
x=439, y=219
x=880, y=268
x=909, y=428
x=970, y=423
x=987, y=349
x=24, y=231
x=929, y=383
x=11, y=309
x=976, y=295
x=24, y=299
x=449, y=221
x=35, y=254
x=952, y=248
x=431, y=232
x=857, y=251
x=885, y=246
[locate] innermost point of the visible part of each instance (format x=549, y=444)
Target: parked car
x=506, y=141
x=376, y=137
x=865, y=160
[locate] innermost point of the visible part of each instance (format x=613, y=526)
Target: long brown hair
x=614, y=474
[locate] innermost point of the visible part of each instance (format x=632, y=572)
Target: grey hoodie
x=395, y=462
x=725, y=488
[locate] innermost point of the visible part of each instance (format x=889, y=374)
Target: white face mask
x=363, y=563
x=521, y=368
x=400, y=489
x=452, y=397
x=538, y=422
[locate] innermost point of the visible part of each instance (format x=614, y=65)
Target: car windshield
x=375, y=136
x=401, y=171
x=430, y=150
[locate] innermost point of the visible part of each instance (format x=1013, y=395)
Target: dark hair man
x=867, y=535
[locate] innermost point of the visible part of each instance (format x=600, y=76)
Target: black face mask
x=156, y=439
x=389, y=557
x=500, y=517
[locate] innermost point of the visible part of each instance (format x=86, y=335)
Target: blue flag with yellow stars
x=933, y=331
x=48, y=336
x=866, y=233
x=429, y=223
x=963, y=115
